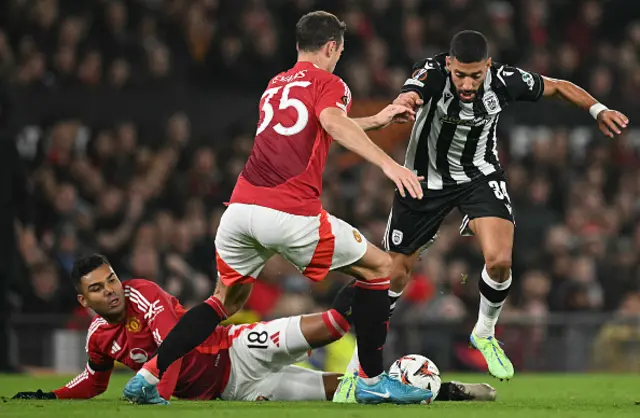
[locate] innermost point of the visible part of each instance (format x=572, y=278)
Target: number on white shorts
x=258, y=339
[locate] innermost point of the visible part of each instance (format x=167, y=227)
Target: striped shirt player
x=460, y=96
x=453, y=145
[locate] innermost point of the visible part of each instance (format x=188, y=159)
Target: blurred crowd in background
x=152, y=205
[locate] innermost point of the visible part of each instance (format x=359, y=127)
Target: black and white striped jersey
x=453, y=142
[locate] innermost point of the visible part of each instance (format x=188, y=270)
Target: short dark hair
x=85, y=265
x=469, y=46
x=315, y=29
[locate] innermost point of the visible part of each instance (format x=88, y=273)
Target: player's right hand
x=39, y=395
x=404, y=179
x=409, y=99
x=610, y=121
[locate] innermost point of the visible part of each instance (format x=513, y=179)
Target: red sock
x=152, y=366
x=335, y=323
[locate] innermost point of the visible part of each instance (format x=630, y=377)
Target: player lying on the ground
x=238, y=362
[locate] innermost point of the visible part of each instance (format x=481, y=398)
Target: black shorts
x=413, y=223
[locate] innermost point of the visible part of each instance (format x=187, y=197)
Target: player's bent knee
x=498, y=265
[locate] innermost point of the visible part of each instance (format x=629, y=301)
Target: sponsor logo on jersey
x=138, y=355
x=455, y=120
x=491, y=103
x=133, y=324
x=357, y=236
x=396, y=237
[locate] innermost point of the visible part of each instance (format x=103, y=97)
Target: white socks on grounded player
x=354, y=363
x=150, y=378
x=492, y=297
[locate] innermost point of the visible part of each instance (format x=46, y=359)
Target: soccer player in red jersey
x=244, y=362
x=235, y=362
x=276, y=208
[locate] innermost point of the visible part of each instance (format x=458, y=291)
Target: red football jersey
x=151, y=314
x=284, y=171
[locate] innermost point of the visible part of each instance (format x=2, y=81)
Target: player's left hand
x=612, y=121
x=394, y=113
x=39, y=395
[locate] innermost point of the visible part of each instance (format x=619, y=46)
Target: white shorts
x=249, y=235
x=262, y=355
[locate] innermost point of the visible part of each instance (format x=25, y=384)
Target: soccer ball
x=418, y=371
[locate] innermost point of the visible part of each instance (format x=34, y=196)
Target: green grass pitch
x=527, y=396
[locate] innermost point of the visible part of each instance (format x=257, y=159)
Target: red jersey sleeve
x=333, y=93
x=95, y=378
x=158, y=310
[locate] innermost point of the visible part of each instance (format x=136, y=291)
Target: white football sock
x=489, y=312
x=354, y=363
x=371, y=380
x=151, y=379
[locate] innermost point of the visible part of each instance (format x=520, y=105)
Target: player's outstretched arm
x=609, y=121
x=90, y=383
x=37, y=395
x=393, y=113
x=347, y=132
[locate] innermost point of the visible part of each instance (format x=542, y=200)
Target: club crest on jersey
x=357, y=236
x=133, y=324
x=138, y=355
x=396, y=237
x=491, y=103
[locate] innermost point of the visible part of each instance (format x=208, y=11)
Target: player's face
x=334, y=52
x=102, y=291
x=467, y=77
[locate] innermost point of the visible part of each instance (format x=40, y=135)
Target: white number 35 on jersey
x=285, y=103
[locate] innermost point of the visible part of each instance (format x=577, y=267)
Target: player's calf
x=401, y=269
x=496, y=240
